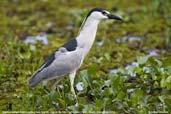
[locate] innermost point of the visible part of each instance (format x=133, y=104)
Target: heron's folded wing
x=63, y=64
x=37, y=76
x=69, y=46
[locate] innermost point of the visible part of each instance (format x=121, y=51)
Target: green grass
x=119, y=92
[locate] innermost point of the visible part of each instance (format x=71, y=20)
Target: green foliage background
x=136, y=89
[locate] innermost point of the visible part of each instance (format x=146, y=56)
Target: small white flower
x=113, y=71
x=61, y=86
x=49, y=24
x=130, y=90
x=80, y=86
x=135, y=64
x=99, y=43
x=76, y=104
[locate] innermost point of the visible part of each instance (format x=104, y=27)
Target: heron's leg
x=44, y=82
x=72, y=77
x=55, y=84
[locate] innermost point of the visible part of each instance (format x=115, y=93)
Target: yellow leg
x=72, y=77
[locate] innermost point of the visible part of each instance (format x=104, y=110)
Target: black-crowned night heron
x=69, y=57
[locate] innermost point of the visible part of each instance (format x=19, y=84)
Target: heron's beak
x=111, y=16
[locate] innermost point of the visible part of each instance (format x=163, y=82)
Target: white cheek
x=105, y=17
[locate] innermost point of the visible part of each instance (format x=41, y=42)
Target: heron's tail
x=35, y=79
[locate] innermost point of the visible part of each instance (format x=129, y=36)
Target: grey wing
x=37, y=76
x=62, y=63
x=47, y=62
x=70, y=46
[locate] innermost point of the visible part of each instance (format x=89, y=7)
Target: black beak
x=111, y=16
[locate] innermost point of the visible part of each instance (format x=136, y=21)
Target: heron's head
x=100, y=14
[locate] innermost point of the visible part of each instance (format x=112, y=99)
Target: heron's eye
x=104, y=13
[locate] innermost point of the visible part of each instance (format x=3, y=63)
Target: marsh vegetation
x=127, y=71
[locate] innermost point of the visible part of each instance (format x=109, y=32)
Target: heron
x=68, y=58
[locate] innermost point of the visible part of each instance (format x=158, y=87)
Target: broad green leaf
x=169, y=69
x=107, y=56
x=162, y=82
x=92, y=70
x=142, y=60
x=121, y=94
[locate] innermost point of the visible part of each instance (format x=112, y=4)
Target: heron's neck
x=87, y=34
